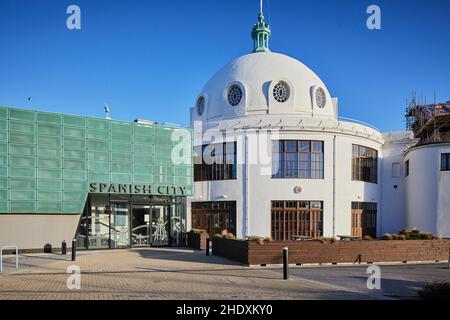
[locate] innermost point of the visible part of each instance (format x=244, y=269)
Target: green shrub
x=198, y=231
x=436, y=291
x=388, y=236
x=426, y=236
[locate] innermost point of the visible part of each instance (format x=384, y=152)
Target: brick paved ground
x=162, y=274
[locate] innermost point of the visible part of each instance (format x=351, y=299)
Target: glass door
x=120, y=225
x=159, y=228
x=140, y=222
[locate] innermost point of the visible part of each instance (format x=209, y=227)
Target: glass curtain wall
x=132, y=221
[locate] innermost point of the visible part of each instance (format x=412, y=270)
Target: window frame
x=361, y=163
x=445, y=162
x=313, y=170
x=224, y=171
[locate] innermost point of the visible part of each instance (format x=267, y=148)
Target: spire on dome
x=261, y=33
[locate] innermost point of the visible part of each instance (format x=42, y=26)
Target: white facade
x=254, y=116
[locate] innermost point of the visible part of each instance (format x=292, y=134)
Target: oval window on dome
x=321, y=98
x=234, y=95
x=281, y=92
x=200, y=105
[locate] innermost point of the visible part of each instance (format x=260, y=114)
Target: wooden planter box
x=315, y=252
x=197, y=240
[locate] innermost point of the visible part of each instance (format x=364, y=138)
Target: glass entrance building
x=110, y=184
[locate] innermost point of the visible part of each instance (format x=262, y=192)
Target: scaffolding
x=430, y=123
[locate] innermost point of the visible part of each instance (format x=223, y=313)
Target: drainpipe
x=334, y=186
x=245, y=184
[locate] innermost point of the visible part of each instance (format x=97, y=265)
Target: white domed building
x=273, y=158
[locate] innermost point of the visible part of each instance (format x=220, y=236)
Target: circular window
x=200, y=105
x=321, y=98
x=281, y=92
x=234, y=95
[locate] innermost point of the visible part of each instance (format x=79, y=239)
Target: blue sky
x=149, y=59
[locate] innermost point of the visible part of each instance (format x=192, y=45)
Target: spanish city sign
x=125, y=188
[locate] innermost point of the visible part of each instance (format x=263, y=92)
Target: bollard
x=64, y=248
x=449, y=258
x=207, y=246
x=74, y=249
x=285, y=263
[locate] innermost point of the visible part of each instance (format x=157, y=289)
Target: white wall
x=428, y=190
x=263, y=189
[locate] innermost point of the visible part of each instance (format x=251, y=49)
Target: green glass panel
x=3, y=124
x=141, y=139
x=163, y=150
x=145, y=169
x=18, y=172
x=122, y=136
x=143, y=178
x=121, y=177
x=144, y=130
x=22, y=161
x=74, y=175
x=99, y=166
x=49, y=196
x=24, y=115
x=3, y=183
x=20, y=126
x=162, y=160
x=75, y=186
x=73, y=207
x=22, y=195
x=3, y=171
x=121, y=126
x=53, y=141
x=122, y=157
x=48, y=152
x=97, y=145
x=49, y=173
x=163, y=140
x=3, y=148
x=182, y=181
x=99, y=156
x=3, y=113
x=22, y=150
x=98, y=124
x=72, y=143
x=52, y=185
x=50, y=129
x=164, y=180
x=49, y=117
x=99, y=176
x=182, y=171
x=142, y=159
x=74, y=164
x=98, y=134
x=163, y=170
x=75, y=154
x=143, y=149
x=22, y=138
x=22, y=184
x=74, y=132
x=49, y=207
x=121, y=167
x=22, y=206
x=122, y=147
x=74, y=121
x=74, y=196
x=49, y=163
x=3, y=195
x=4, y=136
x=3, y=160
x=4, y=206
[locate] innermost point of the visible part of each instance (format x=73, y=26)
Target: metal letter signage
x=125, y=188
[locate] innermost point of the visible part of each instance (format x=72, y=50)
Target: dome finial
x=261, y=33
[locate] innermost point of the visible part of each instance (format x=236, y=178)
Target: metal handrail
x=1, y=256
